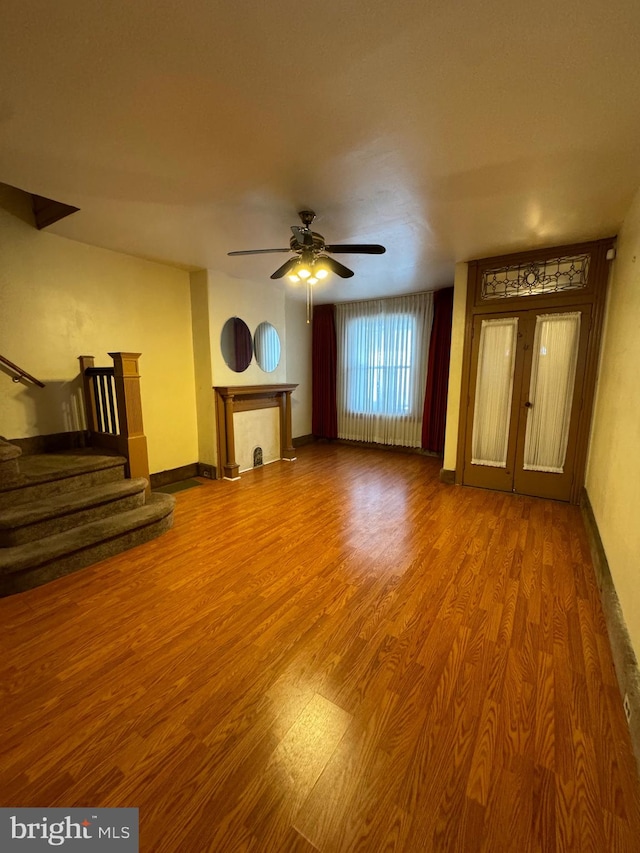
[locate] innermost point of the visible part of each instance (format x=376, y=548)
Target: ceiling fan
x=311, y=263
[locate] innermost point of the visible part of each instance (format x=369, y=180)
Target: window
x=383, y=350
x=533, y=278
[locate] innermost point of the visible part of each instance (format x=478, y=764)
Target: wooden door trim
x=472, y=273
x=593, y=295
x=590, y=374
x=525, y=303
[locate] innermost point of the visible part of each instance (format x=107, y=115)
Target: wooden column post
x=287, y=450
x=230, y=466
x=89, y=393
x=133, y=441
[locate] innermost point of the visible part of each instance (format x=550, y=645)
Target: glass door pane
x=494, y=392
x=550, y=403
x=553, y=372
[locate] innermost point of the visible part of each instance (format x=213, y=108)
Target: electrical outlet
x=627, y=707
x=206, y=473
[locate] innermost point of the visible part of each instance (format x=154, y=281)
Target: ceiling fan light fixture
x=312, y=280
x=303, y=272
x=294, y=278
x=321, y=268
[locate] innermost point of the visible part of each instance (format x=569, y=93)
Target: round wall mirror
x=235, y=343
x=266, y=344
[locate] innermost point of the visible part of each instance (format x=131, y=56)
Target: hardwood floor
x=337, y=654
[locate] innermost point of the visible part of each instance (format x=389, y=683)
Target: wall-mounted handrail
x=22, y=374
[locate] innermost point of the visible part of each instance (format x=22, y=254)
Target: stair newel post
x=132, y=439
x=88, y=389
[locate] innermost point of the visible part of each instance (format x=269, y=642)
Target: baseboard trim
x=208, y=471
x=394, y=448
x=301, y=440
x=448, y=476
x=624, y=657
x=174, y=475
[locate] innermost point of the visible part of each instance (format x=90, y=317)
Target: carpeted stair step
x=27, y=522
x=44, y=475
x=9, y=470
x=32, y=564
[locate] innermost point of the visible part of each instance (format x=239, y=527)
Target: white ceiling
x=445, y=131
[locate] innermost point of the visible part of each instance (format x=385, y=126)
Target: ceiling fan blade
x=337, y=267
x=357, y=248
x=302, y=235
x=286, y=267
x=258, y=251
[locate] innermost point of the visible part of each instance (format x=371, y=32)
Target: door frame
x=593, y=294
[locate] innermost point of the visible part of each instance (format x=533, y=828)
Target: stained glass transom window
x=535, y=278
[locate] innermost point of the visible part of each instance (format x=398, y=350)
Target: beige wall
x=299, y=365
x=60, y=299
x=258, y=427
x=613, y=470
x=255, y=303
x=455, y=369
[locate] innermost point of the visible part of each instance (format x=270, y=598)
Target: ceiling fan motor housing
x=307, y=217
x=317, y=244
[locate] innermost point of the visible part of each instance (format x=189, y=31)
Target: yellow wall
x=60, y=299
x=613, y=471
x=207, y=452
x=455, y=369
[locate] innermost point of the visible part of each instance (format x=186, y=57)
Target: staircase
x=60, y=512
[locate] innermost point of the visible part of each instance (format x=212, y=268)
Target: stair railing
x=20, y=373
x=113, y=407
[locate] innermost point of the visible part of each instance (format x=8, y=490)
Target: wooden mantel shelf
x=253, y=390
x=244, y=398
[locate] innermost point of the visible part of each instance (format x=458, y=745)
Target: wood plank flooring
x=338, y=654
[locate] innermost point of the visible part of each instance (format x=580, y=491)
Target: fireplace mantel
x=244, y=398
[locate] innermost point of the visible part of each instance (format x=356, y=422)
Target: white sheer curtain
x=553, y=375
x=494, y=392
x=383, y=352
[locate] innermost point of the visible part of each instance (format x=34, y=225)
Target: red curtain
x=243, y=345
x=435, y=399
x=324, y=359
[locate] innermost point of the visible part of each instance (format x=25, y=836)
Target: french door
x=525, y=395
